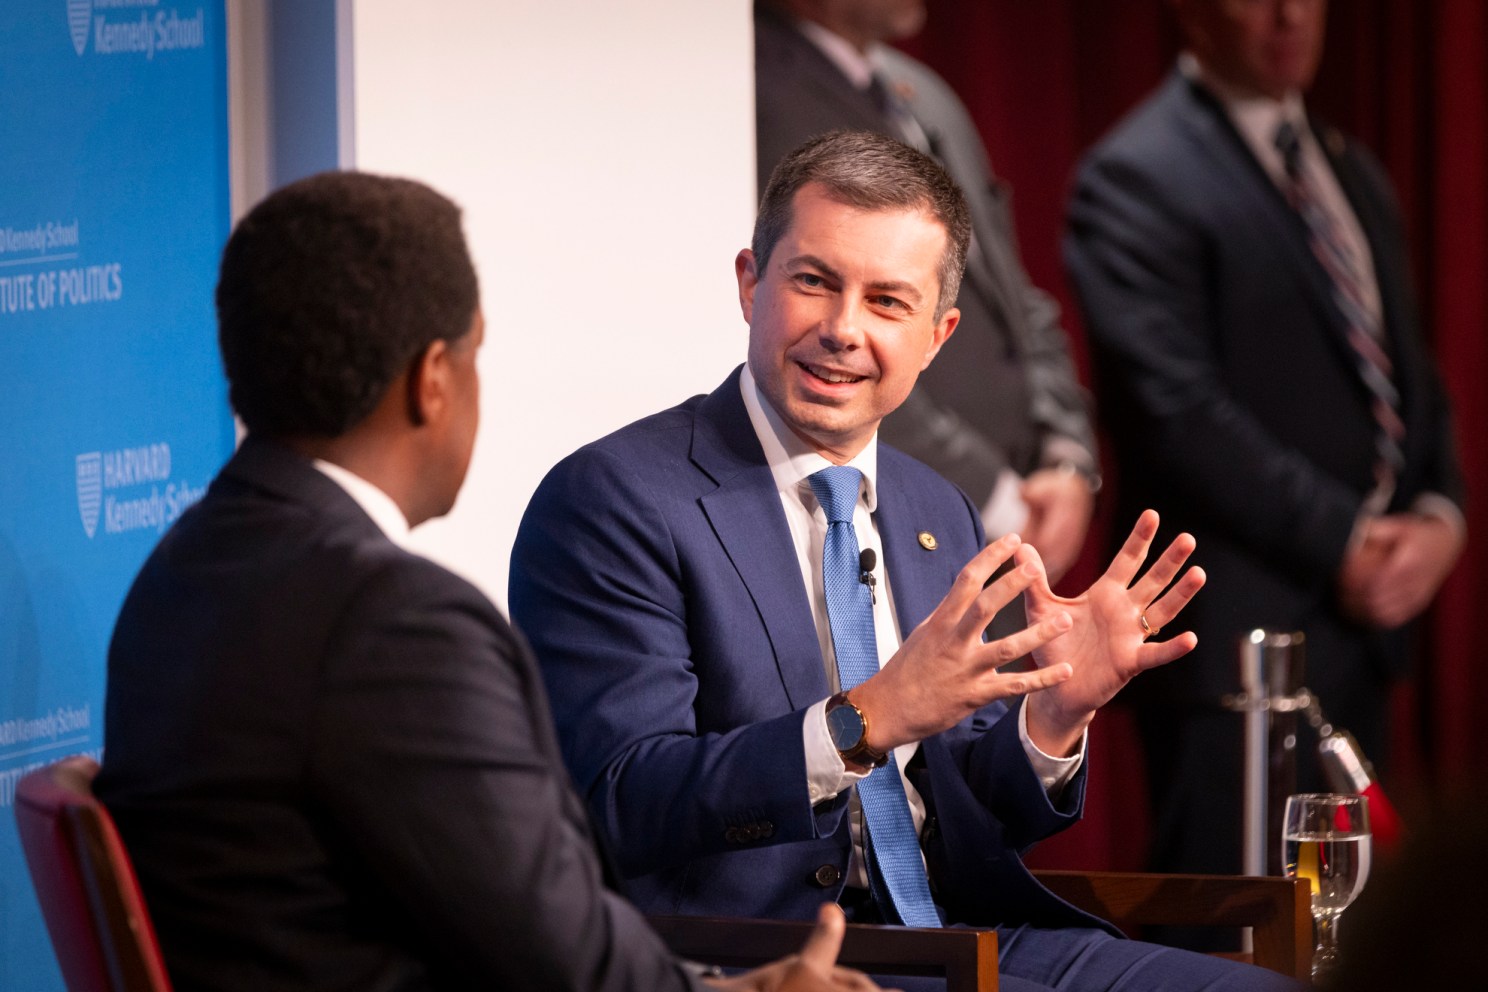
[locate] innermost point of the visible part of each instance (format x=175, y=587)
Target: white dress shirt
x=792, y=463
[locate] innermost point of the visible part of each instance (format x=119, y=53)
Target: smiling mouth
x=831, y=375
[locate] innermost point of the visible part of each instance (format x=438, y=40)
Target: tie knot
x=836, y=490
x=1289, y=143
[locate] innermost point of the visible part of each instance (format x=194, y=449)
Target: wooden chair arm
x=966, y=958
x=1277, y=909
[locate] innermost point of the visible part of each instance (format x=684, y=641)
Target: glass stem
x=1327, y=945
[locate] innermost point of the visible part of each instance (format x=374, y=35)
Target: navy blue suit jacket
x=1229, y=389
x=655, y=576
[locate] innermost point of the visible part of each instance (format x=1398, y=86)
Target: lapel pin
x=928, y=541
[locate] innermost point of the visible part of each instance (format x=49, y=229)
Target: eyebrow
x=895, y=287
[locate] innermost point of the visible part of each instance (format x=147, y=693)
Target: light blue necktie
x=892, y=846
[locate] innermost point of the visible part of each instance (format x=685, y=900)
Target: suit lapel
x=993, y=277
x=746, y=516
x=919, y=580
x=1217, y=141
x=822, y=85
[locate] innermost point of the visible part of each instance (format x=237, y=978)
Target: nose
x=842, y=328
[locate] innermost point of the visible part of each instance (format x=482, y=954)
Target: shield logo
x=89, y=489
x=79, y=14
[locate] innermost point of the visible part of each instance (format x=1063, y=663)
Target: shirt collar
x=857, y=67
x=791, y=460
x=1255, y=116
x=374, y=502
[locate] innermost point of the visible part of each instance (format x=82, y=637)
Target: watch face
x=845, y=726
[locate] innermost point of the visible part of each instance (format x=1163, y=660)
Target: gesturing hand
x=944, y=672
x=1106, y=644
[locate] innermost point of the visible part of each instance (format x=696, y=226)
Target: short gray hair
x=872, y=172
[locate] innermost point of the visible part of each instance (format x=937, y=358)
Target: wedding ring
x=1147, y=629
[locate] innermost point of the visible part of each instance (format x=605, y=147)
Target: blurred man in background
x=1244, y=278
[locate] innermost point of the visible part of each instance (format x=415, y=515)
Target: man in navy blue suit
x=678, y=580
x=1246, y=289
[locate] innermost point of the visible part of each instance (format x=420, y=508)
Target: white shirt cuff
x=1005, y=512
x=1054, y=773
x=826, y=775
x=1439, y=506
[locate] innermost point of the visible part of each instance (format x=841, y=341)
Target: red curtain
x=1044, y=80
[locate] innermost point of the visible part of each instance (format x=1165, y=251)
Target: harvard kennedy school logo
x=79, y=16
x=90, y=489
x=131, y=489
x=133, y=27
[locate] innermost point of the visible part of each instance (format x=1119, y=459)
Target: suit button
x=767, y=829
x=731, y=835
x=750, y=833
x=828, y=876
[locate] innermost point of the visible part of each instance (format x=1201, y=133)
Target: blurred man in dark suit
x=1244, y=278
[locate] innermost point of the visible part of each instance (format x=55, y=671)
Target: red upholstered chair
x=85, y=883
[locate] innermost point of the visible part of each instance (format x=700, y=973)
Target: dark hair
x=328, y=289
x=870, y=171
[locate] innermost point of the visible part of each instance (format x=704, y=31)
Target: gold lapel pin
x=928, y=541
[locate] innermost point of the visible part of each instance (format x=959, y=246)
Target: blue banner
x=113, y=210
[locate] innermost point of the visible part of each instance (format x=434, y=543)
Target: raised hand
x=944, y=672
x=1107, y=643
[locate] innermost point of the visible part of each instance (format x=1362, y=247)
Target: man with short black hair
x=330, y=759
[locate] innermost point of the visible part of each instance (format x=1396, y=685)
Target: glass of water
x=1325, y=839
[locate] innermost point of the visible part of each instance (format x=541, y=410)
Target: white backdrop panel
x=604, y=155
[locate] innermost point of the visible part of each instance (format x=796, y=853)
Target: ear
x=429, y=384
x=748, y=278
x=944, y=328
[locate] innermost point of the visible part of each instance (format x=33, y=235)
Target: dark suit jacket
x=655, y=574
x=1005, y=383
x=1227, y=385
x=332, y=763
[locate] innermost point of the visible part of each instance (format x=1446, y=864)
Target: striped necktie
x=1364, y=333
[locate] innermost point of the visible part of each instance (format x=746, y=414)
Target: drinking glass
x=1325, y=839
